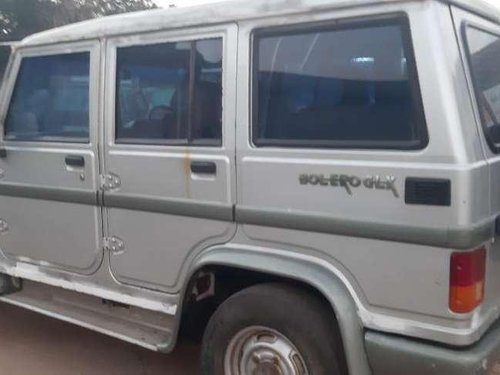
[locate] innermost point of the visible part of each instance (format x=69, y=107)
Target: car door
x=169, y=151
x=48, y=161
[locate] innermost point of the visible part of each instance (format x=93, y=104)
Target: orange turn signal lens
x=467, y=279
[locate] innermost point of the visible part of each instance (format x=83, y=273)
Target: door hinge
x=110, y=181
x=114, y=244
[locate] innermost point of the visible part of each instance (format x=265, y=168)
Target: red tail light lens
x=467, y=278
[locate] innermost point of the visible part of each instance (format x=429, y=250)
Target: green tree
x=19, y=18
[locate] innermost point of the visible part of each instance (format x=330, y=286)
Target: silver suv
x=310, y=187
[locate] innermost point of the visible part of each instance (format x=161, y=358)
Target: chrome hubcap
x=262, y=351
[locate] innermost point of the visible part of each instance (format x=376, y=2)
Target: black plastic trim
x=428, y=191
x=449, y=237
x=77, y=196
x=179, y=207
x=204, y=167
x=74, y=161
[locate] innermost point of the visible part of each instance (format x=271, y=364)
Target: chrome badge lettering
x=348, y=183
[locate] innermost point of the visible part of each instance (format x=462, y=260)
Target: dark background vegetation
x=19, y=18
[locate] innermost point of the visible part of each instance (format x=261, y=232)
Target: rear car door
x=169, y=151
x=49, y=214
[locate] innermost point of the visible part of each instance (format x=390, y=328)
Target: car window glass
x=50, y=101
x=207, y=94
x=484, y=53
x=169, y=93
x=339, y=87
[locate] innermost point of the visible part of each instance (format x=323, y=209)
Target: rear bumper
x=393, y=355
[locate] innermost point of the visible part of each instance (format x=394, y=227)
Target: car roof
x=216, y=13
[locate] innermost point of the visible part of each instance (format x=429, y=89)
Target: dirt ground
x=31, y=344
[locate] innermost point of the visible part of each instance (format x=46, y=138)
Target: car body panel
x=384, y=264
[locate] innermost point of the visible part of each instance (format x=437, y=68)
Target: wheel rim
x=263, y=351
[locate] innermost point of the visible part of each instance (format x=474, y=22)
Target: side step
x=149, y=329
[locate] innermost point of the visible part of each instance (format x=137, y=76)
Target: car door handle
x=75, y=161
x=203, y=167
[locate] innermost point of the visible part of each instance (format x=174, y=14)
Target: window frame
x=92, y=47
x=4, y=67
x=400, y=19
x=476, y=91
x=155, y=39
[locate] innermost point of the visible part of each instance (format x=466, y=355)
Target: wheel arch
x=310, y=271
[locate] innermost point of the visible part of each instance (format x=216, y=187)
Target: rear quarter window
x=483, y=50
x=343, y=86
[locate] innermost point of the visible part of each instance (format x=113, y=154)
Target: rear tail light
x=467, y=278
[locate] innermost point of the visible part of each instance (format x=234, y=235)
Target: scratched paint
x=35, y=273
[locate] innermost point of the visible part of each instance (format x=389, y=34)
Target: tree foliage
x=19, y=18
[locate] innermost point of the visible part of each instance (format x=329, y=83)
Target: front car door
x=49, y=177
x=169, y=151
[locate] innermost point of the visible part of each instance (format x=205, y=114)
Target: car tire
x=272, y=328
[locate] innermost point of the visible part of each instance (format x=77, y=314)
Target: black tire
x=296, y=313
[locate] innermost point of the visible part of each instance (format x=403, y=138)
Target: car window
x=484, y=55
x=341, y=86
x=170, y=93
x=50, y=101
